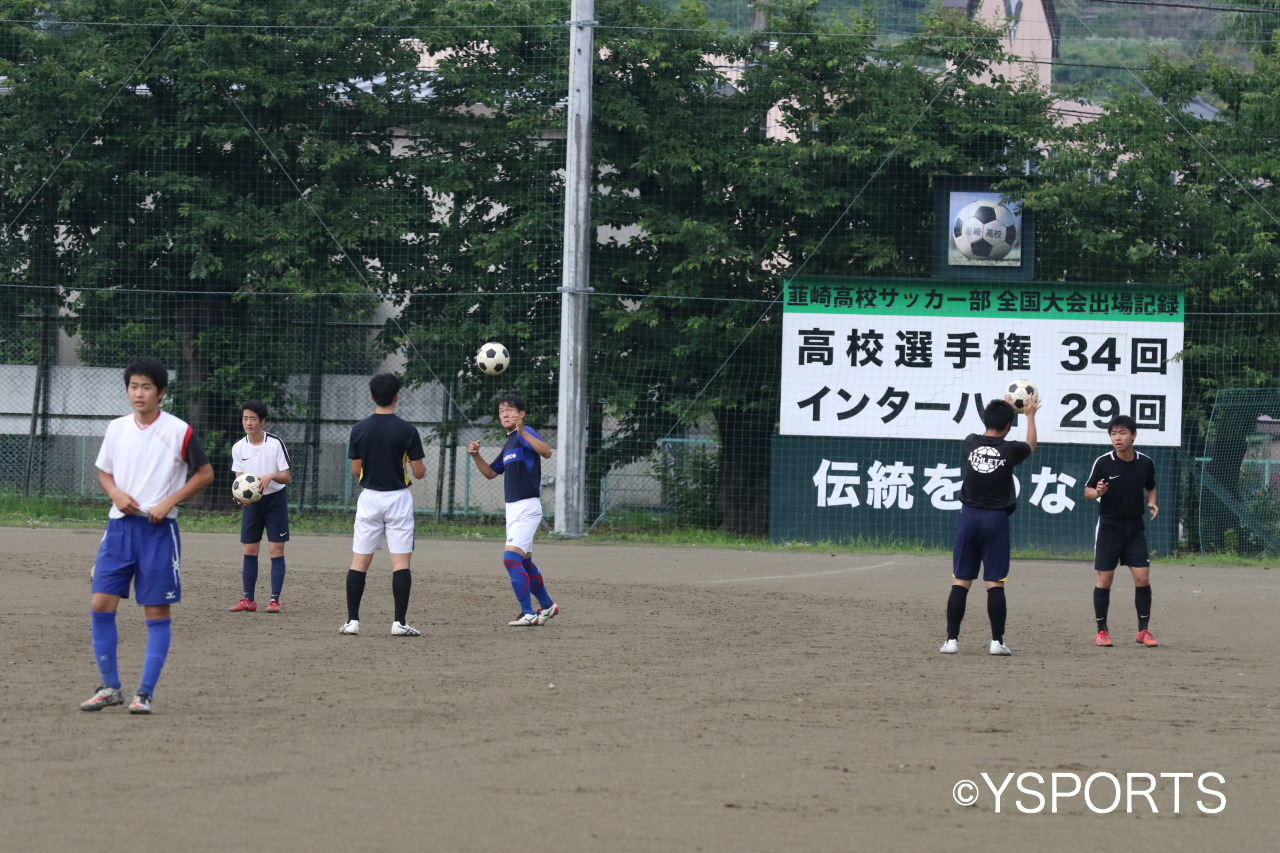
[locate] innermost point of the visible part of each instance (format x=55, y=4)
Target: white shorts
x=384, y=515
x=523, y=518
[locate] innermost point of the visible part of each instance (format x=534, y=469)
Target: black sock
x=997, y=612
x=955, y=610
x=1101, y=604
x=401, y=581
x=1142, y=600
x=355, y=592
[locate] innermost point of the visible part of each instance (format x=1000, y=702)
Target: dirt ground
x=685, y=699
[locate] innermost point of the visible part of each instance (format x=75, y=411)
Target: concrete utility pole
x=571, y=432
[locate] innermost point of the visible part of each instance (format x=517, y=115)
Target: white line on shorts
x=806, y=574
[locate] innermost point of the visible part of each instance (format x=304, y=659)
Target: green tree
x=175, y=174
x=722, y=162
x=1253, y=30
x=1150, y=193
x=750, y=160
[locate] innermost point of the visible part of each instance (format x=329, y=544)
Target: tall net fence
x=821, y=242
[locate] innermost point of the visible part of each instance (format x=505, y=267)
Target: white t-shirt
x=148, y=463
x=266, y=458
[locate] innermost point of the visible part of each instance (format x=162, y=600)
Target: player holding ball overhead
x=988, y=497
x=520, y=463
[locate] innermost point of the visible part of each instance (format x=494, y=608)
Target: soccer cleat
x=524, y=620
x=244, y=605
x=1104, y=639
x=103, y=697
x=399, y=630
x=999, y=648
x=141, y=704
x=352, y=628
x=544, y=616
x=273, y=606
x=950, y=647
x=1145, y=638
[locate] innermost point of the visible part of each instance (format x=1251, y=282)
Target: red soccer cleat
x=244, y=605
x=273, y=606
x=1145, y=638
x=1104, y=639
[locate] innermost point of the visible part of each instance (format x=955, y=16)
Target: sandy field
x=685, y=699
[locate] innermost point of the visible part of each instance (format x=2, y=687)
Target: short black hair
x=1123, y=421
x=383, y=388
x=997, y=415
x=258, y=407
x=152, y=368
x=515, y=401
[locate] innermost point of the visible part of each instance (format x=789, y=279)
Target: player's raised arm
x=539, y=446
x=1033, y=406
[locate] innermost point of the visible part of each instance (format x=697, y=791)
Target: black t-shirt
x=1127, y=484
x=385, y=444
x=988, y=472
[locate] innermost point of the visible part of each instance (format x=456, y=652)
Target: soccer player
x=1121, y=482
x=520, y=463
x=987, y=498
x=142, y=466
x=380, y=446
x=263, y=455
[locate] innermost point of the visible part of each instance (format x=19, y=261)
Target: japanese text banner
x=921, y=359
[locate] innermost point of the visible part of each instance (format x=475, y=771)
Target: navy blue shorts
x=270, y=512
x=135, y=550
x=982, y=536
x=1120, y=541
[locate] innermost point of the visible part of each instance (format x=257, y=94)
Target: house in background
x=1032, y=34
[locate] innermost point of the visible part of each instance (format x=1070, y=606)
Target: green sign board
x=844, y=489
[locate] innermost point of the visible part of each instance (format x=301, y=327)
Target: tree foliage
x=166, y=170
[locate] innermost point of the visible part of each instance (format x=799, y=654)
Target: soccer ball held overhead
x=1020, y=392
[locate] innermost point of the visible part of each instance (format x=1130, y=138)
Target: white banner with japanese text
x=920, y=359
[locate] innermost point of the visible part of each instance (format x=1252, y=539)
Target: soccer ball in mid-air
x=493, y=358
x=247, y=489
x=985, y=231
x=1019, y=392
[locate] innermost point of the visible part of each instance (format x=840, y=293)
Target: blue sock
x=158, y=635
x=277, y=576
x=250, y=575
x=105, y=640
x=519, y=580
x=536, y=584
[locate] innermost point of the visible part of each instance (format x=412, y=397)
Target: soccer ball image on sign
x=493, y=358
x=247, y=489
x=1020, y=392
x=985, y=231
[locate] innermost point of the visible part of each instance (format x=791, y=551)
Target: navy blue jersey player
x=988, y=497
x=520, y=464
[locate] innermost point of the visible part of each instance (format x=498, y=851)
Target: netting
x=281, y=200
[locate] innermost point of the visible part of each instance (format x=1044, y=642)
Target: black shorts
x=1120, y=541
x=270, y=512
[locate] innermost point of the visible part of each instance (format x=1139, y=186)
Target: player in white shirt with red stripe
x=142, y=466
